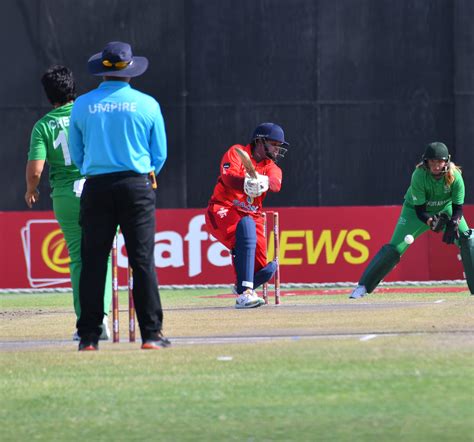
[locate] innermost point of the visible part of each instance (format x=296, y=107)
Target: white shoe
x=75, y=336
x=248, y=300
x=234, y=291
x=105, y=335
x=359, y=292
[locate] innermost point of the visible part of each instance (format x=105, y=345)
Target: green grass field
x=390, y=367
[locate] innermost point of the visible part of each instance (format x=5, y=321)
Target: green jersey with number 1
x=49, y=141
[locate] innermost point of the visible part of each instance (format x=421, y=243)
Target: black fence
x=360, y=86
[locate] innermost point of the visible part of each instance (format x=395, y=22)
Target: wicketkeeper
x=234, y=214
x=434, y=201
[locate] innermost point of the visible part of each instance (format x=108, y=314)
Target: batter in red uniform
x=234, y=212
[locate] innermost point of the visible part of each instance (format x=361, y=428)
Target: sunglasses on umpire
x=117, y=64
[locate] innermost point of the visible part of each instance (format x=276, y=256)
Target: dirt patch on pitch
x=15, y=314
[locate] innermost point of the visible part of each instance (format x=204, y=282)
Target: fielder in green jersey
x=49, y=142
x=434, y=201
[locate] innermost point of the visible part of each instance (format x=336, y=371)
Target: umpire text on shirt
x=117, y=137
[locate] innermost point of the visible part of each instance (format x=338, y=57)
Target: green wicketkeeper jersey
x=49, y=141
x=436, y=194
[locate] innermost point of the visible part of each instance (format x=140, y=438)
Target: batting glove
x=255, y=187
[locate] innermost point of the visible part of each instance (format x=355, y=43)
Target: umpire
x=118, y=141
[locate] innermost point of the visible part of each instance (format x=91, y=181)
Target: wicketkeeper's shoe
x=88, y=344
x=248, y=299
x=156, y=343
x=359, y=292
x=105, y=335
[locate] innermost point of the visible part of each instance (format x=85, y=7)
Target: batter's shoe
x=359, y=292
x=88, y=344
x=236, y=293
x=156, y=343
x=105, y=335
x=248, y=300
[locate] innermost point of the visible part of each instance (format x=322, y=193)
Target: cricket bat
x=247, y=162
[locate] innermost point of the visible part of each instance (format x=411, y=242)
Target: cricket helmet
x=271, y=132
x=437, y=151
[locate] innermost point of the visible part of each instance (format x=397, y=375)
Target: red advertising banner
x=317, y=244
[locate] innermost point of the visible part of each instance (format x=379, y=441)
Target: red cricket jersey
x=229, y=203
x=232, y=171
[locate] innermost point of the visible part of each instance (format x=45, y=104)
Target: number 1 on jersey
x=61, y=140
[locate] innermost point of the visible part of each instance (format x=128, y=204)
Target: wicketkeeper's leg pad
x=380, y=266
x=466, y=243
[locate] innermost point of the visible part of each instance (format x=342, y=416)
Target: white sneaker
x=248, y=300
x=105, y=335
x=234, y=291
x=75, y=336
x=359, y=292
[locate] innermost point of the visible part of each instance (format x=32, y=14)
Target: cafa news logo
x=46, y=254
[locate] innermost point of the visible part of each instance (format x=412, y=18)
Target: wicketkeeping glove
x=439, y=221
x=452, y=231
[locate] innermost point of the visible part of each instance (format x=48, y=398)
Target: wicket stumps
x=276, y=250
x=115, y=299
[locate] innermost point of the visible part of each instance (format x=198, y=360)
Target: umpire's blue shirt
x=115, y=128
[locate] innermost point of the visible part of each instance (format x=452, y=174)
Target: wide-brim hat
x=117, y=60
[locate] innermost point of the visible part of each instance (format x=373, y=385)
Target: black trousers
x=126, y=199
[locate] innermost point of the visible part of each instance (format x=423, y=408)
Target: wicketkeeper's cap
x=117, y=60
x=270, y=131
x=436, y=151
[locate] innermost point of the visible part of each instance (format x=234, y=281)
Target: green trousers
x=66, y=206
x=409, y=224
